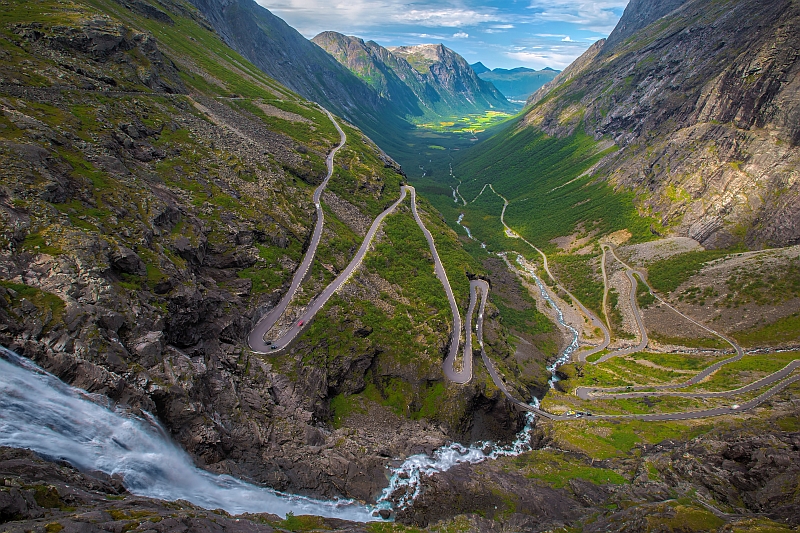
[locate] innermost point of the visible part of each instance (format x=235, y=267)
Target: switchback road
x=462, y=373
x=256, y=338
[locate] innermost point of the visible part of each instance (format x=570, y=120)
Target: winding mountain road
x=596, y=322
x=462, y=373
x=256, y=338
x=637, y=314
x=607, y=392
x=449, y=366
x=781, y=379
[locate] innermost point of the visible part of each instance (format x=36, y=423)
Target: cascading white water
x=573, y=345
x=406, y=480
x=469, y=233
x=41, y=413
x=405, y=483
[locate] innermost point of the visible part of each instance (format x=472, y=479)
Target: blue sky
x=500, y=33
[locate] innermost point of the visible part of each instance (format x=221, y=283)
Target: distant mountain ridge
x=516, y=84
x=421, y=80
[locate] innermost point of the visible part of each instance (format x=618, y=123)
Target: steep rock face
x=451, y=76
x=419, y=80
x=704, y=103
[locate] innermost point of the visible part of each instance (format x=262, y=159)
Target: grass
x=37, y=243
x=668, y=274
x=685, y=517
x=606, y=439
x=269, y=274
x=557, y=468
x=581, y=278
x=643, y=296
x=542, y=177
x=783, y=330
x=679, y=361
x=302, y=523
x=466, y=124
x=362, y=178
x=50, y=306
x=748, y=369
x=396, y=261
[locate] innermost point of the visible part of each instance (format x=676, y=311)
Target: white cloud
x=461, y=35
x=539, y=59
x=600, y=15
x=567, y=40
x=307, y=15
x=445, y=18
x=429, y=36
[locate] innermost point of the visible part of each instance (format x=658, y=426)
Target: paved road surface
x=256, y=338
x=318, y=302
x=465, y=374
x=754, y=386
x=637, y=314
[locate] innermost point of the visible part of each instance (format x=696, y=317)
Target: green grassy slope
x=546, y=182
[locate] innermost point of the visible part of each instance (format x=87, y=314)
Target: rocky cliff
x=421, y=80
x=703, y=101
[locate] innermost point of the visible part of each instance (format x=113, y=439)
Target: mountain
x=480, y=68
x=452, y=78
x=693, y=110
x=418, y=80
x=284, y=54
x=516, y=84
x=390, y=76
x=156, y=198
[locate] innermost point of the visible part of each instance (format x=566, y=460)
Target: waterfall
x=41, y=413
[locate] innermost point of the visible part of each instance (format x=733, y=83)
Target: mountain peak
x=421, y=79
x=479, y=68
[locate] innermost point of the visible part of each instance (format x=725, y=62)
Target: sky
x=499, y=33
